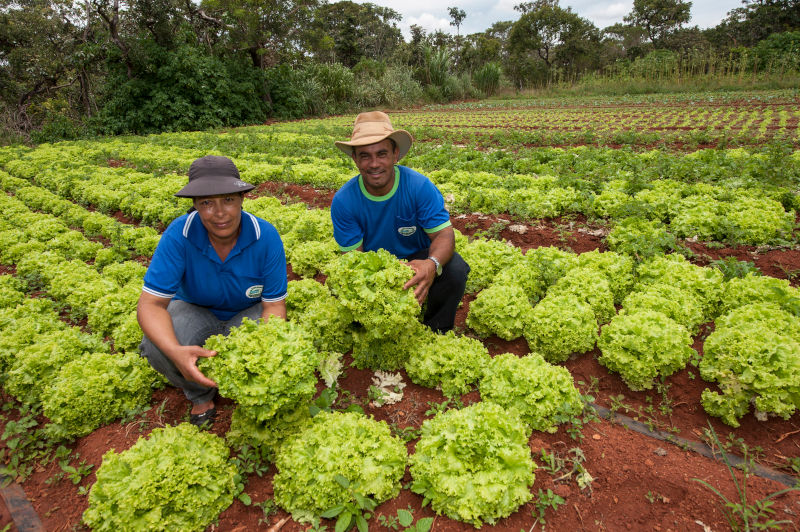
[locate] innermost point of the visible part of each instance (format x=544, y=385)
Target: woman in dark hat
x=213, y=267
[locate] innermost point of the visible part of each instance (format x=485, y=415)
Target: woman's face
x=221, y=215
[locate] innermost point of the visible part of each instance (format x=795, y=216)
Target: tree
x=659, y=17
x=43, y=50
x=549, y=37
x=755, y=21
x=269, y=31
x=457, y=16
x=356, y=31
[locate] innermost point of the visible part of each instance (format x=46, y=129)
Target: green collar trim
x=380, y=198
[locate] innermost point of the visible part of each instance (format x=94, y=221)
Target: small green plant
x=75, y=473
x=544, y=501
x=25, y=445
x=573, y=464
x=653, y=496
x=493, y=231
x=793, y=463
x=552, y=462
x=731, y=267
x=741, y=514
x=377, y=396
x=355, y=512
x=666, y=401
x=405, y=519
x=444, y=406
x=269, y=508
x=249, y=460
x=324, y=402
x=406, y=434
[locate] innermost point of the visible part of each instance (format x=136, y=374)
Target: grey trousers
x=193, y=325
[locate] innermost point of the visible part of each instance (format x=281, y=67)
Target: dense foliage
x=455, y=465
x=447, y=361
x=352, y=445
x=177, y=478
x=543, y=395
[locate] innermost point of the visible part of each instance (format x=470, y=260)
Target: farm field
x=659, y=225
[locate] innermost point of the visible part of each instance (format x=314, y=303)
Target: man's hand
x=185, y=359
x=424, y=273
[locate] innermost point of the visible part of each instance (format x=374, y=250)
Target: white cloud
x=481, y=14
x=430, y=23
x=608, y=14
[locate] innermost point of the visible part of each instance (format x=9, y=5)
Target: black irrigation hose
x=22, y=513
x=698, y=447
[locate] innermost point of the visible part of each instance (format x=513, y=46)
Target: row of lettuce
x=556, y=299
x=736, y=196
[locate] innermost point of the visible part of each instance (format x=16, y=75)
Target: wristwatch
x=438, y=266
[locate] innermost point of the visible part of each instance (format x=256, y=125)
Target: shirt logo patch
x=254, y=291
x=407, y=231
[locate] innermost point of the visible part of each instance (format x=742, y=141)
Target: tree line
x=73, y=68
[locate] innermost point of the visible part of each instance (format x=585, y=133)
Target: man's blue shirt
x=398, y=222
x=185, y=266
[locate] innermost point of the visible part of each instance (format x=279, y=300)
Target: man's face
x=376, y=164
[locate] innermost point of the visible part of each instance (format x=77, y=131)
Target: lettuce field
x=626, y=357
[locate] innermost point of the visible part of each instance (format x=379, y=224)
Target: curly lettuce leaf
x=474, y=464
x=178, y=478
x=352, y=445
x=94, y=390
x=270, y=365
x=560, y=326
x=500, y=309
x=454, y=362
x=644, y=345
x=542, y=394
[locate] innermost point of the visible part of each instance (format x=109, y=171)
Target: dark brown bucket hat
x=213, y=175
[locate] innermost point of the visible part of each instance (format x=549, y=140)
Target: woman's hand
x=185, y=359
x=156, y=324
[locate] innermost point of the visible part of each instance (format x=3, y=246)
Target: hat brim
x=401, y=137
x=213, y=186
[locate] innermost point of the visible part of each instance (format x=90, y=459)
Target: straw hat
x=373, y=127
x=213, y=175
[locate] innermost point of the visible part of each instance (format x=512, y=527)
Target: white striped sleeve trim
x=157, y=293
x=188, y=224
x=274, y=299
x=255, y=225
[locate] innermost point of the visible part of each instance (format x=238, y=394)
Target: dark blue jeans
x=445, y=293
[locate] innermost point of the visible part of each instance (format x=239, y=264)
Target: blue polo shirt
x=185, y=266
x=398, y=222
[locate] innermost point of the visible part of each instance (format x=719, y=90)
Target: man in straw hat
x=213, y=267
x=392, y=207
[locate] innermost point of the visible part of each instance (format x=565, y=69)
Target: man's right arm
x=156, y=323
x=346, y=230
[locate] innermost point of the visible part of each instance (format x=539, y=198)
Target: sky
x=432, y=15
